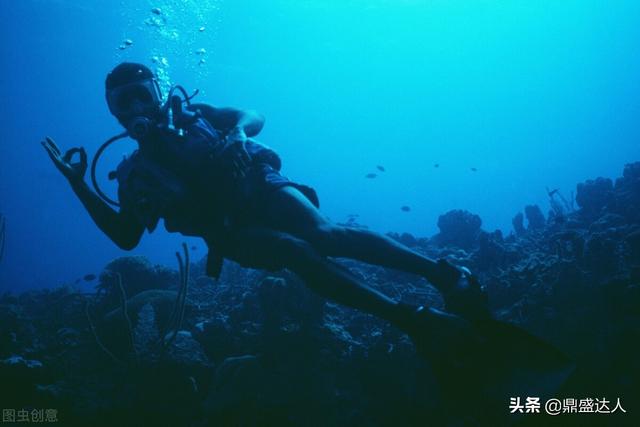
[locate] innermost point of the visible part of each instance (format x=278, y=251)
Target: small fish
x=202, y=61
x=156, y=11
x=201, y=51
x=194, y=248
x=128, y=42
x=405, y=208
x=370, y=175
x=380, y=168
x=201, y=29
x=474, y=170
x=89, y=277
x=436, y=165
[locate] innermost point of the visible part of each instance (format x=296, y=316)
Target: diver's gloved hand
x=462, y=292
x=74, y=172
x=235, y=156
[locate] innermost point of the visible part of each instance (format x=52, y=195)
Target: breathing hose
x=165, y=110
x=94, y=163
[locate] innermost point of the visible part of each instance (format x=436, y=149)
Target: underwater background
x=499, y=135
x=466, y=105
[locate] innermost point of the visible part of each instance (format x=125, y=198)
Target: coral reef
x=137, y=274
x=535, y=218
x=261, y=349
x=518, y=224
x=458, y=228
x=594, y=195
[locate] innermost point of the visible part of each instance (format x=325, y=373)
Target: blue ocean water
x=529, y=94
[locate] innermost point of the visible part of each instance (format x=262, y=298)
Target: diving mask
x=134, y=99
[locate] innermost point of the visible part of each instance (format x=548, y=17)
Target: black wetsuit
x=181, y=179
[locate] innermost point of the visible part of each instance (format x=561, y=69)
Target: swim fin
x=490, y=361
x=518, y=363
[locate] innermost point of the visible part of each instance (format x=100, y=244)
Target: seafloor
x=260, y=349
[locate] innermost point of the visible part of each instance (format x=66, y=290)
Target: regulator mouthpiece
x=139, y=127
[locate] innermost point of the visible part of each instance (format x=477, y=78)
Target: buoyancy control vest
x=181, y=169
x=182, y=181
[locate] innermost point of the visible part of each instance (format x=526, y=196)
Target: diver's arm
x=251, y=122
x=120, y=227
x=228, y=119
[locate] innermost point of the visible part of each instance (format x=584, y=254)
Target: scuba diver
x=199, y=169
x=207, y=177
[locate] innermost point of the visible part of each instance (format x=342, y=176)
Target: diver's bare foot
x=462, y=292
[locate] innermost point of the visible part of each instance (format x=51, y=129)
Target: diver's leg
x=273, y=250
x=290, y=211
x=437, y=335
